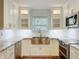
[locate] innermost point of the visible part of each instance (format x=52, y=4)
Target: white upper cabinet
x=10, y=14
x=24, y=18
x=69, y=8
x=56, y=17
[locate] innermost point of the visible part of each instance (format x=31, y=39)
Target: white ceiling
x=40, y=4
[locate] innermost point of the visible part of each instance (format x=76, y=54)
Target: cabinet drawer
x=75, y=50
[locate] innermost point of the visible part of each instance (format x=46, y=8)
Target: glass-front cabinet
x=56, y=18
x=24, y=18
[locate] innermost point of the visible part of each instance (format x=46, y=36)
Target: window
x=40, y=23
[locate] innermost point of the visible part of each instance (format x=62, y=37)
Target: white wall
x=64, y=34
x=71, y=34
x=61, y=34
x=40, y=12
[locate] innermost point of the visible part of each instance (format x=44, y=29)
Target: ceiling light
x=56, y=12
x=24, y=12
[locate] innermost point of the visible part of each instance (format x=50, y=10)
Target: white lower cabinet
x=74, y=56
x=3, y=54
x=29, y=49
x=10, y=53
x=26, y=47
x=74, y=53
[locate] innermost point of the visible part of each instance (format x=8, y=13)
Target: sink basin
x=40, y=40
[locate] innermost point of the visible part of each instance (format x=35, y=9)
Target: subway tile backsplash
x=1, y=34
x=61, y=34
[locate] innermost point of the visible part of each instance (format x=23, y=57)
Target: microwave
x=73, y=21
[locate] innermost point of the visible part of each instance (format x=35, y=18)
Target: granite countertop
x=4, y=43
x=69, y=41
x=75, y=46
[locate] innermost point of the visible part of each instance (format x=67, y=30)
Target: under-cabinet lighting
x=24, y=12
x=56, y=12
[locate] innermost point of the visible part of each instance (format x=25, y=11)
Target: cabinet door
x=74, y=53
x=74, y=56
x=1, y=13
x=56, y=18
x=18, y=50
x=56, y=23
x=10, y=53
x=10, y=14
x=26, y=50
x=24, y=18
x=3, y=55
